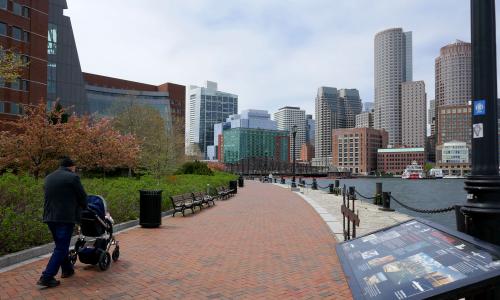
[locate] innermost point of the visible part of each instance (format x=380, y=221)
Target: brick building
x=356, y=148
x=23, y=29
x=395, y=160
x=306, y=152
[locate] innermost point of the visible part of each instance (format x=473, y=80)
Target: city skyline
x=256, y=46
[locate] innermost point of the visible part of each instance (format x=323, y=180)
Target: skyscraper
x=413, y=120
x=393, y=66
x=352, y=104
x=206, y=107
x=431, y=116
x=334, y=109
x=453, y=70
x=311, y=129
x=288, y=116
x=328, y=108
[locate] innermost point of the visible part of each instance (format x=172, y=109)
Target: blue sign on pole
x=479, y=107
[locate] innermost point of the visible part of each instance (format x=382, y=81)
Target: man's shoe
x=68, y=274
x=48, y=282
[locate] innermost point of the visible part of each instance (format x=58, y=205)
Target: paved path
x=265, y=243
x=371, y=218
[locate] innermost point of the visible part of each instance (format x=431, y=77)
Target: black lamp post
x=294, y=135
x=265, y=162
x=482, y=210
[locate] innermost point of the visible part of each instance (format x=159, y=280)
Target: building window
x=16, y=85
x=26, y=36
x=17, y=9
x=3, y=29
x=26, y=12
x=17, y=33
x=15, y=109
x=51, y=78
x=52, y=39
x=2, y=107
x=25, y=85
x=3, y=4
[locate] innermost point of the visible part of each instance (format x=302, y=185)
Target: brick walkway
x=265, y=243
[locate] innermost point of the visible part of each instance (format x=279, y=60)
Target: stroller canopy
x=97, y=204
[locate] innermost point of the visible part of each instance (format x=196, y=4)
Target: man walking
x=64, y=200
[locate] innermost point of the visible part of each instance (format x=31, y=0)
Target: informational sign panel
x=416, y=259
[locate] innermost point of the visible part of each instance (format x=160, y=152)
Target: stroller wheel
x=116, y=253
x=73, y=254
x=104, y=261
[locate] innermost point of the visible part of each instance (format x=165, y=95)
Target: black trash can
x=150, y=208
x=233, y=185
x=240, y=181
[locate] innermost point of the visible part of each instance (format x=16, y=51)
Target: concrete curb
x=14, y=260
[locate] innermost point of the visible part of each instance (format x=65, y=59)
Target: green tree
x=159, y=140
x=428, y=166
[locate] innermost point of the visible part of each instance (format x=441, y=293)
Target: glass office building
x=109, y=102
x=241, y=143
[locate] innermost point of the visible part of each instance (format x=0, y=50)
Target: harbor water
x=422, y=194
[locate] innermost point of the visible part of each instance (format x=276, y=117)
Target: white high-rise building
x=205, y=107
x=414, y=103
x=364, y=120
x=393, y=66
x=288, y=116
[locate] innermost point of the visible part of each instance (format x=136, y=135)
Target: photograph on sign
x=413, y=260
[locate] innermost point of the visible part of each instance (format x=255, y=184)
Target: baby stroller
x=95, y=224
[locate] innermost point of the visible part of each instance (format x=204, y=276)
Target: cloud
x=271, y=53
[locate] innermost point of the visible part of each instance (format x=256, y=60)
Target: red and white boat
x=413, y=171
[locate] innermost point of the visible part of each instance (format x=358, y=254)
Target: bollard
x=330, y=188
x=337, y=183
x=352, y=192
x=386, y=200
x=378, y=193
x=314, y=184
x=460, y=218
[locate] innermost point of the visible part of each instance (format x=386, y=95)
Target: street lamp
x=294, y=135
x=482, y=210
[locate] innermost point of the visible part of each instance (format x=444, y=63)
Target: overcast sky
x=271, y=53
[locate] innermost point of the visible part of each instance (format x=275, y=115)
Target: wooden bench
x=180, y=203
x=204, y=198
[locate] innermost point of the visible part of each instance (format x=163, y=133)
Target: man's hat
x=67, y=162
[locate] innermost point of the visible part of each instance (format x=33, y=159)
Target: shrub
x=21, y=202
x=195, y=167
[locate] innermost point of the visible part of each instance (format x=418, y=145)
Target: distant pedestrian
x=65, y=197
